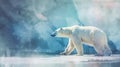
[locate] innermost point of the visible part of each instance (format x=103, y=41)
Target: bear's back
x=92, y=28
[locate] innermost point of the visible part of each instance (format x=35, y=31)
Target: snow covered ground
x=61, y=61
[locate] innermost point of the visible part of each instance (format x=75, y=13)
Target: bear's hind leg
x=107, y=51
x=100, y=52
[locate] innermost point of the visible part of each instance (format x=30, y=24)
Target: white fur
x=84, y=34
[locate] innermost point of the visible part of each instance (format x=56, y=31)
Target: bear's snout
x=53, y=34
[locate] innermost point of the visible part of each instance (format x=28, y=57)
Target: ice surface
x=61, y=61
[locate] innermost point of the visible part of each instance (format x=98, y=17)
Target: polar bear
x=78, y=35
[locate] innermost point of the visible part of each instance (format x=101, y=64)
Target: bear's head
x=62, y=32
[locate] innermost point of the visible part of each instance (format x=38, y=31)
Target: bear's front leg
x=78, y=46
x=69, y=48
x=79, y=50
